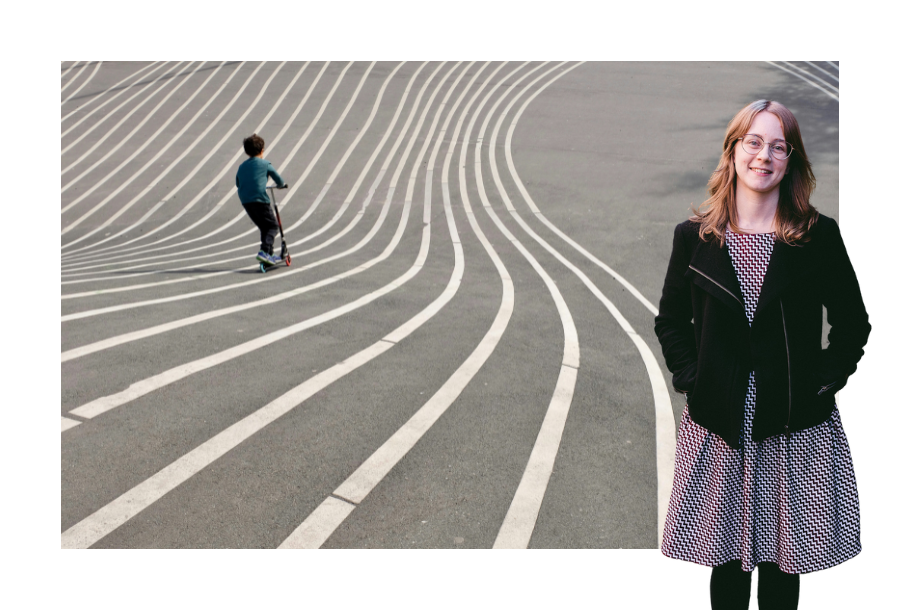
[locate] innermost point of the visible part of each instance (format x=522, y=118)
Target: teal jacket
x=251, y=179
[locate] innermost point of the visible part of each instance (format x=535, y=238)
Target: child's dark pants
x=262, y=216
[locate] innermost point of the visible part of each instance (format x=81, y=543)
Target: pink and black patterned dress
x=789, y=499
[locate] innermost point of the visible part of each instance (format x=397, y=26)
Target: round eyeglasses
x=752, y=144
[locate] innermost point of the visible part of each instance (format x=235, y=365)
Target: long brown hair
x=794, y=216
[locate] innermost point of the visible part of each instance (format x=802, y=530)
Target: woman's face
x=760, y=172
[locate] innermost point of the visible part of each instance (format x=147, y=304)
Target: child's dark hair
x=254, y=145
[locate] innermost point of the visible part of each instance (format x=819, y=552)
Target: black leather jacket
x=711, y=349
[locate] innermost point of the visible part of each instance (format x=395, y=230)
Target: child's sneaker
x=263, y=257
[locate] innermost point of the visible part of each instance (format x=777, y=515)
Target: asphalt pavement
x=450, y=361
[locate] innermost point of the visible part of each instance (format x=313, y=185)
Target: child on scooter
x=251, y=179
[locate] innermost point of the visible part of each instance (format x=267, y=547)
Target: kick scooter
x=285, y=255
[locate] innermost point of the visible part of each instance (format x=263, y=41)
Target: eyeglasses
x=752, y=144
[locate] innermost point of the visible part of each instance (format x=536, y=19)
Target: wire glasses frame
x=752, y=144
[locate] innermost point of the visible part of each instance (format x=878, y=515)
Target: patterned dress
x=789, y=499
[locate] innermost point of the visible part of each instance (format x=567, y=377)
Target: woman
x=763, y=474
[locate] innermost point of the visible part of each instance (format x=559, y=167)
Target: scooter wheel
x=262, y=267
x=287, y=260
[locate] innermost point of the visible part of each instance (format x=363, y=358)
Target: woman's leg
x=777, y=590
x=729, y=587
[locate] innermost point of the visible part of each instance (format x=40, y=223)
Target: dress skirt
x=789, y=499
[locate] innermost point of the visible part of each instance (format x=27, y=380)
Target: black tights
x=729, y=588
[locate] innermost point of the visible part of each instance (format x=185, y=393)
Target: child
x=251, y=179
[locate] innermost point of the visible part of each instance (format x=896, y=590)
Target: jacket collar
x=715, y=272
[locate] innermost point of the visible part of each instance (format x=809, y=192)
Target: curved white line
x=74, y=78
x=315, y=203
x=113, y=98
x=361, y=133
x=800, y=76
x=98, y=252
x=217, y=255
x=225, y=168
x=120, y=106
x=100, y=94
x=66, y=71
x=128, y=337
x=172, y=165
x=325, y=519
x=823, y=71
x=121, y=141
x=834, y=65
x=813, y=76
x=74, y=93
x=665, y=422
x=113, y=515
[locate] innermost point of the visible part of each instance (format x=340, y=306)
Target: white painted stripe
x=102, y=522
x=165, y=172
x=792, y=73
x=74, y=93
x=99, y=252
x=145, y=386
x=665, y=422
x=296, y=184
x=160, y=153
x=121, y=141
x=113, y=98
x=104, y=92
x=520, y=519
x=94, y=527
x=833, y=65
x=74, y=78
x=537, y=213
x=90, y=130
x=68, y=424
x=823, y=71
x=107, y=343
x=346, y=203
x=812, y=76
x=319, y=526
x=353, y=191
x=322, y=522
x=170, y=195
x=230, y=167
x=66, y=71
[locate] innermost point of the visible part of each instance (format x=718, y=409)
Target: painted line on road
x=813, y=76
x=140, y=388
x=170, y=195
x=800, y=76
x=104, y=92
x=74, y=78
x=665, y=422
x=90, y=130
x=171, y=142
x=68, y=424
x=325, y=519
x=123, y=140
x=128, y=337
x=346, y=203
x=113, y=515
x=823, y=71
x=67, y=70
x=74, y=93
x=100, y=252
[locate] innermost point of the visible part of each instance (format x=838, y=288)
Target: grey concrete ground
x=613, y=154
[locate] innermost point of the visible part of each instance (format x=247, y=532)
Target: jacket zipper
x=825, y=388
x=716, y=283
x=788, y=350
